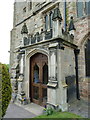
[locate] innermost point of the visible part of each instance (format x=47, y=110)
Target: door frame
x=30, y=80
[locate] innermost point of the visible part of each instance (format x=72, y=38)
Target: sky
x=6, y=25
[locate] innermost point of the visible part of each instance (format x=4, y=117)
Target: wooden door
x=39, y=78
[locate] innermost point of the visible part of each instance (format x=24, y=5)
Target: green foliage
x=0, y=92
x=6, y=88
x=7, y=65
x=59, y=110
x=61, y=115
x=49, y=111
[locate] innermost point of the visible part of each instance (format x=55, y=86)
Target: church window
x=87, y=7
x=50, y=19
x=79, y=9
x=46, y=22
x=87, y=58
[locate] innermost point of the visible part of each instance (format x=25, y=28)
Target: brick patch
x=84, y=90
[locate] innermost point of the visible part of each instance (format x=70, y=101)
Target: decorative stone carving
x=57, y=18
x=57, y=15
x=71, y=26
x=48, y=34
x=24, y=29
x=24, y=33
x=19, y=87
x=52, y=84
x=20, y=79
x=22, y=64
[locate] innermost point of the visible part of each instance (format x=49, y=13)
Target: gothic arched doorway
x=38, y=78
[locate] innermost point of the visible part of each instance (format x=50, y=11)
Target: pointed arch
x=84, y=40
x=36, y=50
x=29, y=54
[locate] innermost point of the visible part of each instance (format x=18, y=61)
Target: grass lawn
x=60, y=115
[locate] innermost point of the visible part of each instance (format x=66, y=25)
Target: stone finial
x=24, y=29
x=57, y=14
x=71, y=25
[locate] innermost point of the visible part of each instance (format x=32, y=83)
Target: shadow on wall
x=71, y=90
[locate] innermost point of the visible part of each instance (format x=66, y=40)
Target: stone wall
x=85, y=91
x=80, y=38
x=35, y=22
x=12, y=47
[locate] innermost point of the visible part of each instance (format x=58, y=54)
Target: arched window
x=79, y=9
x=87, y=6
x=46, y=22
x=87, y=58
x=45, y=74
x=50, y=19
x=36, y=74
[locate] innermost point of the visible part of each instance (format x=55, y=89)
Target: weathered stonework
x=57, y=44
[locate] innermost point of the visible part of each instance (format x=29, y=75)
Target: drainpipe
x=76, y=52
x=65, y=15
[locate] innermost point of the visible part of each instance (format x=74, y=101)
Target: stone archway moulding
x=34, y=51
x=85, y=38
x=29, y=54
x=81, y=56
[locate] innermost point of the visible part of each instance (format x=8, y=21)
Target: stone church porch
x=61, y=86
